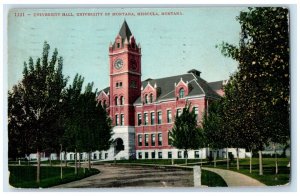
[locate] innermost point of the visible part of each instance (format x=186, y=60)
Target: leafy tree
x=215, y=136
x=34, y=105
x=186, y=133
x=263, y=79
x=88, y=127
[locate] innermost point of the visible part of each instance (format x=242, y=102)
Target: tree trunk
x=250, y=161
x=227, y=157
x=65, y=156
x=79, y=164
x=38, y=167
x=50, y=160
x=237, y=159
x=260, y=163
x=276, y=160
x=75, y=156
x=185, y=156
x=215, y=157
x=89, y=156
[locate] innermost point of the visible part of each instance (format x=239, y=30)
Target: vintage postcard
x=148, y=97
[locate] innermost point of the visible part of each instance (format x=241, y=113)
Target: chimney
x=195, y=72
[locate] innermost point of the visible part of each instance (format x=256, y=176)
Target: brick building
x=143, y=112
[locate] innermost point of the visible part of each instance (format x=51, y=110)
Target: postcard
x=148, y=97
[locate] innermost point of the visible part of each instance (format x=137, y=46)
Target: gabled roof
x=217, y=85
x=166, y=86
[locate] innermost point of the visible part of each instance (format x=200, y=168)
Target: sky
x=171, y=44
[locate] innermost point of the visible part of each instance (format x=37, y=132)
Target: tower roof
x=125, y=31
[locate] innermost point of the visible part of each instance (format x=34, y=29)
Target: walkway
x=234, y=178
x=134, y=176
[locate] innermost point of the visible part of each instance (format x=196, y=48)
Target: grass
x=25, y=176
x=269, y=177
x=212, y=179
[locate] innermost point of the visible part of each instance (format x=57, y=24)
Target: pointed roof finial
x=125, y=31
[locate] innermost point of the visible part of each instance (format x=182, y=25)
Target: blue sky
x=171, y=45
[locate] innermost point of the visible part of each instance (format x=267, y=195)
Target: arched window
x=181, y=93
x=151, y=98
x=116, y=100
x=146, y=99
x=121, y=100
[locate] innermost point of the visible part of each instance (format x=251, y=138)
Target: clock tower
x=125, y=87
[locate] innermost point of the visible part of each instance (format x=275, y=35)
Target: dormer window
x=181, y=93
x=151, y=98
x=118, y=45
x=146, y=99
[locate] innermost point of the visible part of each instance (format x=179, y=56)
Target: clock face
x=118, y=64
x=133, y=64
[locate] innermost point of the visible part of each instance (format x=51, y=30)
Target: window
x=118, y=45
x=146, y=155
x=181, y=93
x=117, y=84
x=169, y=138
x=153, y=155
x=146, y=119
x=139, y=119
x=169, y=155
x=159, y=139
x=160, y=155
x=117, y=120
x=159, y=118
x=122, y=100
x=196, y=154
x=151, y=98
x=95, y=156
x=179, y=155
x=71, y=156
x=169, y=116
x=186, y=154
x=139, y=140
x=116, y=100
x=146, y=140
x=122, y=119
x=152, y=118
x=146, y=99
x=196, y=112
x=152, y=139
x=178, y=112
x=133, y=84
x=120, y=84
x=140, y=155
x=106, y=155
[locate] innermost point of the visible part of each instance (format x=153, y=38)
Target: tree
x=88, y=127
x=263, y=79
x=214, y=132
x=35, y=103
x=186, y=133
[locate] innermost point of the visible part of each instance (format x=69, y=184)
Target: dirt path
x=137, y=176
x=234, y=178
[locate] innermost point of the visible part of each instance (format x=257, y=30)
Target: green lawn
x=25, y=176
x=269, y=178
x=212, y=179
